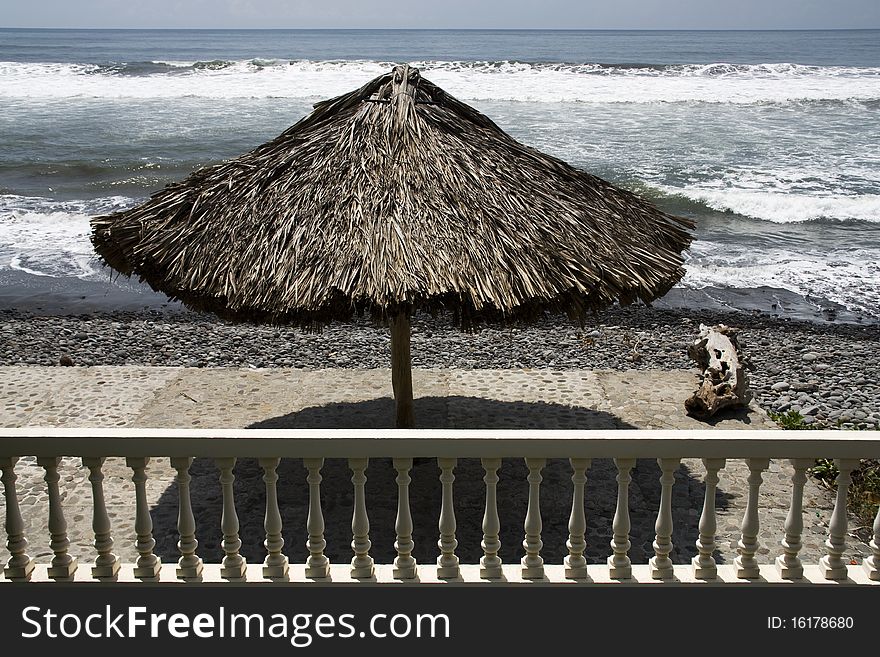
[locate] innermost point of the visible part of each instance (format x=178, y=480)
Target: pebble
x=827, y=370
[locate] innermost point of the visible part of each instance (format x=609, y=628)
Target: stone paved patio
x=539, y=399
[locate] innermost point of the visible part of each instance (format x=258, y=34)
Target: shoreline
x=50, y=295
x=824, y=371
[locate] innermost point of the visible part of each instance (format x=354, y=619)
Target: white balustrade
x=661, y=564
x=148, y=565
x=704, y=563
x=532, y=562
x=362, y=564
x=581, y=448
x=747, y=547
x=833, y=565
x=619, y=563
x=234, y=565
x=189, y=566
x=404, y=564
x=490, y=562
x=317, y=566
x=106, y=564
x=63, y=565
x=575, y=562
x=19, y=566
x=275, y=566
x=789, y=563
x=447, y=562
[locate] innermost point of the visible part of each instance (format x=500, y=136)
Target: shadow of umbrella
x=437, y=412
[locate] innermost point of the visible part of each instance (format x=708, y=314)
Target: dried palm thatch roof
x=392, y=197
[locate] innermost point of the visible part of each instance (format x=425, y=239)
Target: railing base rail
x=340, y=574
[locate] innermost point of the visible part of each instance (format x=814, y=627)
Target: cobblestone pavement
x=140, y=396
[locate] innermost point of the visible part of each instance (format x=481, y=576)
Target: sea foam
x=51, y=238
x=850, y=277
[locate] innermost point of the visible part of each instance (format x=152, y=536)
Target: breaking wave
x=495, y=80
x=786, y=208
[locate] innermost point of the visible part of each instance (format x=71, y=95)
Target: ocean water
x=769, y=140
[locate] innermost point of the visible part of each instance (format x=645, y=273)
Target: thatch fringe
x=393, y=196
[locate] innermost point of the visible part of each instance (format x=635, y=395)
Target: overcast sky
x=572, y=14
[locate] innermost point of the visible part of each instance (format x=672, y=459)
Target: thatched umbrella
x=392, y=198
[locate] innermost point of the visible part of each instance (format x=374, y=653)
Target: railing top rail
x=462, y=443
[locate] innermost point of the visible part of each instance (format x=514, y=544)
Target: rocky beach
x=823, y=371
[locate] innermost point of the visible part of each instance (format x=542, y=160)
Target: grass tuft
x=791, y=420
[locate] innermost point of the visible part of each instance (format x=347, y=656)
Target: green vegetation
x=790, y=420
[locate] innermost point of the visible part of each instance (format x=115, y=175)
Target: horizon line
x=460, y=29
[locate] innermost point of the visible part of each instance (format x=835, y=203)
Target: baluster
x=704, y=562
x=404, y=564
x=148, y=565
x=447, y=562
x=532, y=563
x=660, y=564
x=490, y=562
x=63, y=565
x=619, y=563
x=275, y=566
x=833, y=565
x=317, y=566
x=362, y=563
x=746, y=564
x=234, y=566
x=872, y=563
x=19, y=566
x=189, y=566
x=106, y=564
x=789, y=564
x=575, y=563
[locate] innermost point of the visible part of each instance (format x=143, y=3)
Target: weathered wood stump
x=724, y=381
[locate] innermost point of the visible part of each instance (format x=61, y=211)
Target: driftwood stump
x=723, y=366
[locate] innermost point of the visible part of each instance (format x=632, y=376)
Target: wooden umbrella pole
x=401, y=370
